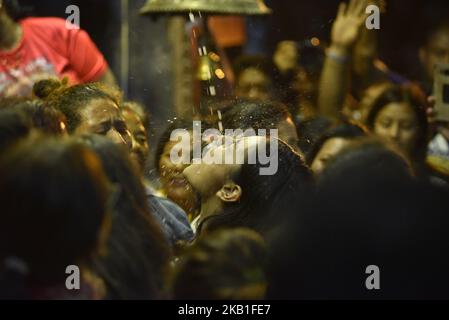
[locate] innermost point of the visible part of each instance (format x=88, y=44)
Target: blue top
x=170, y=216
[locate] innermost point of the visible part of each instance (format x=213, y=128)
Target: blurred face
x=330, y=149
x=253, y=84
x=304, y=84
x=173, y=181
x=398, y=123
x=286, y=55
x=140, y=149
x=436, y=51
x=103, y=117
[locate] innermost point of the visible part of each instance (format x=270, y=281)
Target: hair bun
x=44, y=88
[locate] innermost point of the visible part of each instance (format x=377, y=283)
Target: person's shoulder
x=45, y=25
x=53, y=22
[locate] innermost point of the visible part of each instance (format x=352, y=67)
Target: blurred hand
x=349, y=21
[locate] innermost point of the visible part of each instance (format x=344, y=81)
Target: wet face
x=173, y=181
x=398, y=123
x=209, y=179
x=330, y=149
x=253, y=84
x=140, y=148
x=436, y=51
x=103, y=117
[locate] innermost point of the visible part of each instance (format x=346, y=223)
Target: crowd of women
x=362, y=180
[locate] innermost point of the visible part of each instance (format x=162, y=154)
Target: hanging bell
x=234, y=7
x=205, y=68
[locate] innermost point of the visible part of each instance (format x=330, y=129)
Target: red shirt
x=49, y=49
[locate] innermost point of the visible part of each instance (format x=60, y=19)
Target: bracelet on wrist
x=338, y=57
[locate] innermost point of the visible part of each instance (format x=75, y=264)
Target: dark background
x=402, y=29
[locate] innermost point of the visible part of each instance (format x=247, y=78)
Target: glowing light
x=212, y=91
x=214, y=57
x=315, y=41
x=220, y=74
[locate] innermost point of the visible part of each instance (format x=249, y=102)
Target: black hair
x=376, y=158
x=265, y=200
x=368, y=210
x=138, y=253
x=71, y=99
x=220, y=266
x=13, y=127
x=244, y=114
x=140, y=111
x=415, y=98
x=43, y=117
x=345, y=131
x=54, y=202
x=310, y=130
x=260, y=115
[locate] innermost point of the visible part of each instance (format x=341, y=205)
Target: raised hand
x=347, y=26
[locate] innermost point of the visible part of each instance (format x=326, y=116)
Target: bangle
x=337, y=57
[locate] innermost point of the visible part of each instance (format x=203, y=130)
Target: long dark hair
x=266, y=200
x=415, y=98
x=368, y=210
x=345, y=131
x=13, y=127
x=220, y=266
x=137, y=250
x=54, y=202
x=41, y=117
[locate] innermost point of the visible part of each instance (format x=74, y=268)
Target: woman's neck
x=210, y=206
x=10, y=33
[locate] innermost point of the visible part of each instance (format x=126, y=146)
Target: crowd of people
x=362, y=177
